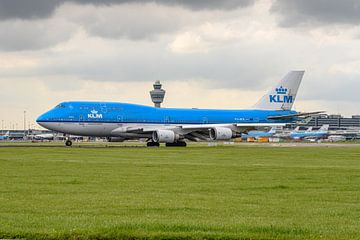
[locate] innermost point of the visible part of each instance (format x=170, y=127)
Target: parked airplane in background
x=297, y=130
x=122, y=121
x=45, y=136
x=336, y=138
x=260, y=134
x=323, y=132
x=5, y=136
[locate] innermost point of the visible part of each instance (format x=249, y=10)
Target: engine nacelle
x=165, y=136
x=220, y=133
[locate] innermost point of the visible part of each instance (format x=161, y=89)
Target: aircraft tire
x=153, y=144
x=68, y=143
x=176, y=144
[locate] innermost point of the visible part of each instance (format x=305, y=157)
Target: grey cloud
x=33, y=35
x=147, y=64
x=331, y=92
x=155, y=21
x=209, y=4
x=317, y=12
x=37, y=9
x=30, y=24
x=33, y=9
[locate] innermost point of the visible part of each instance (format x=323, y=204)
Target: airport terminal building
x=335, y=121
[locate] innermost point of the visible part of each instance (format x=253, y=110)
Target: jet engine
x=220, y=133
x=165, y=136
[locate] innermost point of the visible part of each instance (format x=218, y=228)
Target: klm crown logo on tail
x=280, y=96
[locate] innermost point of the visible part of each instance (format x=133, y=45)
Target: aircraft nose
x=43, y=119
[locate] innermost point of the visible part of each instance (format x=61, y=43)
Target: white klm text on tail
x=282, y=96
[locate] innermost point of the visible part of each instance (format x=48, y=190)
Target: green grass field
x=225, y=192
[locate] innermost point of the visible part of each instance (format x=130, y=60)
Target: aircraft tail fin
x=297, y=129
x=282, y=96
x=324, y=127
x=273, y=130
x=309, y=129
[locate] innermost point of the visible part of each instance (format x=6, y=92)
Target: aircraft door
x=81, y=119
x=103, y=107
x=120, y=119
x=205, y=120
x=167, y=120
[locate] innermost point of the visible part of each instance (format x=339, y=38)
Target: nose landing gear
x=68, y=141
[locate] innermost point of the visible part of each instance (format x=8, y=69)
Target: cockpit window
x=60, y=106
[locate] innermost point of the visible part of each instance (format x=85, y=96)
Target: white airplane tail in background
x=282, y=96
x=274, y=129
x=324, y=127
x=296, y=129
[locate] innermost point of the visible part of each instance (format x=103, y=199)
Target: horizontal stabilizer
x=289, y=116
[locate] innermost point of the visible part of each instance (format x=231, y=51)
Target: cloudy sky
x=208, y=54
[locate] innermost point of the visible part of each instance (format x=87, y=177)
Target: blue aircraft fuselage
x=309, y=135
x=112, y=112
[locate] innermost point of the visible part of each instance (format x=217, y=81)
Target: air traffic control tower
x=158, y=94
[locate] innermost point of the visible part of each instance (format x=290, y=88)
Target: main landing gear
x=176, y=144
x=153, y=144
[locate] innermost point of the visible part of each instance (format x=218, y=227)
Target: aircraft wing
x=236, y=127
x=196, y=131
x=133, y=130
x=260, y=124
x=284, y=117
x=201, y=131
x=197, y=127
x=250, y=125
x=239, y=125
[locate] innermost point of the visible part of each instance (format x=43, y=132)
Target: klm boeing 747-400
x=172, y=126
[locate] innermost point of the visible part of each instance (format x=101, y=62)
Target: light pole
x=24, y=121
